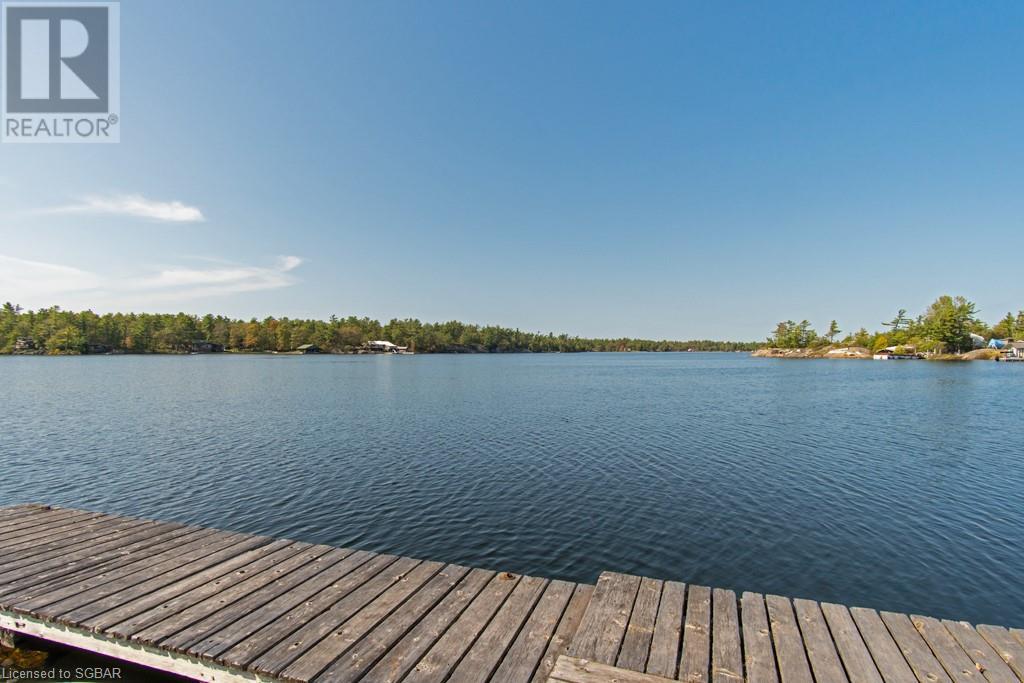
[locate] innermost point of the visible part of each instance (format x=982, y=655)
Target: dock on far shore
x=224, y=606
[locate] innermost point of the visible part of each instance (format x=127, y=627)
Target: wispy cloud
x=35, y=283
x=17, y=275
x=224, y=279
x=132, y=205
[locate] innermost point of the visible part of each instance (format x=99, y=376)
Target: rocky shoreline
x=862, y=353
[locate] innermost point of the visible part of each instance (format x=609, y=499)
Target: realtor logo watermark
x=61, y=72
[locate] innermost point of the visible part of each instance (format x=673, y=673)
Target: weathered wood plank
x=727, y=653
x=523, y=657
x=276, y=659
x=192, y=572
x=954, y=660
x=789, y=645
x=404, y=654
x=42, y=551
x=223, y=630
x=278, y=632
x=668, y=631
x=759, y=654
x=567, y=625
x=75, y=603
x=446, y=652
x=860, y=668
x=604, y=623
x=914, y=649
x=40, y=595
x=695, y=664
x=39, y=526
x=481, y=660
x=63, y=532
x=885, y=652
x=1006, y=646
x=821, y=651
x=636, y=643
x=375, y=644
x=87, y=564
x=342, y=631
x=977, y=648
x=574, y=670
x=176, y=607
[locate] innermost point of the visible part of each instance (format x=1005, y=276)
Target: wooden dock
x=222, y=606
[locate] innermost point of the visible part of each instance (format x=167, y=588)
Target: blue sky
x=667, y=170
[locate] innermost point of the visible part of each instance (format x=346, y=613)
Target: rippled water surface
x=896, y=485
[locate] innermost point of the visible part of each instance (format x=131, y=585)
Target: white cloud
x=133, y=205
x=44, y=278
x=192, y=283
x=35, y=284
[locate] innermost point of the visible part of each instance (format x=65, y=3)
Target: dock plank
x=342, y=631
x=275, y=660
x=887, y=654
x=480, y=662
x=374, y=645
x=87, y=562
x=860, y=668
x=977, y=648
x=916, y=651
x=947, y=650
x=567, y=625
x=448, y=650
x=177, y=606
x=668, y=631
x=789, y=644
x=604, y=623
x=410, y=648
x=524, y=656
x=636, y=643
x=40, y=595
x=278, y=632
x=1006, y=646
x=695, y=664
x=759, y=653
x=226, y=629
x=573, y=670
x=727, y=652
x=821, y=651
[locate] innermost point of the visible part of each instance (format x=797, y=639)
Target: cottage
x=97, y=348
x=1012, y=351
x=308, y=348
x=897, y=353
x=381, y=346
x=202, y=346
x=25, y=344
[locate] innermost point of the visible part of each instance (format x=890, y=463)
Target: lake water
x=896, y=485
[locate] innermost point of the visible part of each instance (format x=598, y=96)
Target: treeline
x=56, y=331
x=945, y=327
